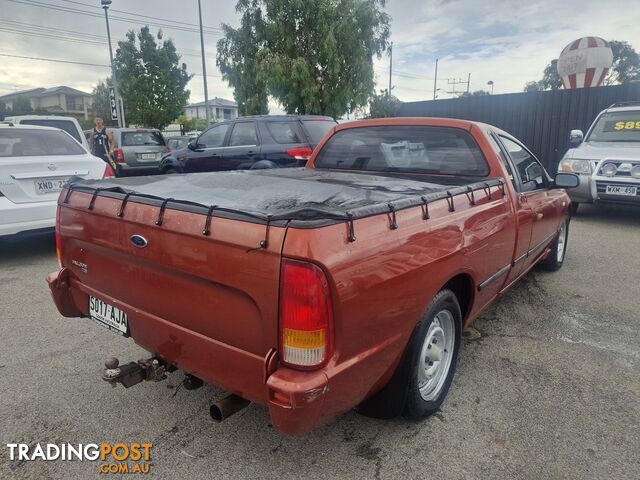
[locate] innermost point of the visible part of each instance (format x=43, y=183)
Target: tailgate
x=221, y=289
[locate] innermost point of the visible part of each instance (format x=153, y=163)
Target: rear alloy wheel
x=555, y=259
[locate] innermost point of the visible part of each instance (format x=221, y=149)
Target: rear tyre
x=170, y=171
x=574, y=208
x=424, y=375
x=555, y=260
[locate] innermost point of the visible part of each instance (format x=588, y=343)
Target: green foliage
x=532, y=87
x=101, y=104
x=383, y=105
x=236, y=57
x=626, y=64
x=21, y=105
x=313, y=56
x=475, y=93
x=152, y=82
x=191, y=124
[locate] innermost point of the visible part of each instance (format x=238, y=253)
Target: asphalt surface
x=551, y=390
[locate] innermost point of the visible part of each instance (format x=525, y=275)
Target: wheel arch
x=463, y=287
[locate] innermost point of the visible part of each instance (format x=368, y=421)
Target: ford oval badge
x=138, y=241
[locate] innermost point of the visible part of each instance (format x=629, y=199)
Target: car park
x=607, y=159
x=137, y=151
x=68, y=124
x=251, y=143
x=35, y=163
x=314, y=290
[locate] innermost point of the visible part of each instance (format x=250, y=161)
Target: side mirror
x=195, y=146
x=575, y=137
x=567, y=180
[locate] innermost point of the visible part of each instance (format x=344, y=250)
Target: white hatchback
x=35, y=163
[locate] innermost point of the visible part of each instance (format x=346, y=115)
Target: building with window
x=56, y=100
x=219, y=110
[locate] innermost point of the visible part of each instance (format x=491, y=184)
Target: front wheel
x=555, y=260
x=424, y=375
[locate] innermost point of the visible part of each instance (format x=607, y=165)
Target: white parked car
x=35, y=162
x=68, y=124
x=608, y=159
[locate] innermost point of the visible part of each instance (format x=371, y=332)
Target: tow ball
x=153, y=369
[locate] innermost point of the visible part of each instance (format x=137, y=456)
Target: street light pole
x=121, y=122
x=435, y=81
x=204, y=66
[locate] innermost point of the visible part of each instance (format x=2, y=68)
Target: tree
x=313, y=56
x=151, y=79
x=383, y=105
x=21, y=105
x=236, y=57
x=550, y=77
x=101, y=105
x=192, y=124
x=532, y=87
x=475, y=93
x=626, y=64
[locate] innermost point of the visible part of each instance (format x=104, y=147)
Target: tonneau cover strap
x=207, y=224
x=124, y=204
x=161, y=213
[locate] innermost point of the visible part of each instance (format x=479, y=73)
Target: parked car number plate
x=148, y=156
x=49, y=185
x=108, y=316
x=620, y=190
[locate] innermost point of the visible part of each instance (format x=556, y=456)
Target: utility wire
x=54, y=60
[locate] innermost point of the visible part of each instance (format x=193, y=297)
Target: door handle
x=250, y=154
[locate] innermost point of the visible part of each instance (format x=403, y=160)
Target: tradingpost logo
x=116, y=458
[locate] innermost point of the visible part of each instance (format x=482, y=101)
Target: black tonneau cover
x=306, y=197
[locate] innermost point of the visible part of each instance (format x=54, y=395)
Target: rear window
x=407, y=149
x=65, y=125
x=136, y=139
x=317, y=129
x=286, y=132
x=15, y=142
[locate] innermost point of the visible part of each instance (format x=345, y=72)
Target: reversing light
x=306, y=315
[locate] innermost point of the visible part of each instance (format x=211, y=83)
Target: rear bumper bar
x=297, y=401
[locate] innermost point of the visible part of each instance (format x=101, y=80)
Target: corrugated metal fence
x=541, y=120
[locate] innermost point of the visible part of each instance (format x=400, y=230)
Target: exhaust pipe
x=223, y=409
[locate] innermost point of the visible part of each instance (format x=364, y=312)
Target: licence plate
x=49, y=185
x=619, y=190
x=148, y=156
x=108, y=316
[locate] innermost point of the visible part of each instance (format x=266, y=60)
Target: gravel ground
x=551, y=390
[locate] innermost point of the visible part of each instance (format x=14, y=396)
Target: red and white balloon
x=585, y=62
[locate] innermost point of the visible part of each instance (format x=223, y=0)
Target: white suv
x=35, y=163
x=608, y=160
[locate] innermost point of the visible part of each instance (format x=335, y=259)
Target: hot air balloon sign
x=585, y=62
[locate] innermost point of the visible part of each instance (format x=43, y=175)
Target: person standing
x=101, y=142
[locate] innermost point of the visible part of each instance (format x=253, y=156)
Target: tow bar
x=153, y=369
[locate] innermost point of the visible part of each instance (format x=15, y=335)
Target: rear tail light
x=58, y=250
x=108, y=172
x=306, y=316
x=118, y=156
x=303, y=153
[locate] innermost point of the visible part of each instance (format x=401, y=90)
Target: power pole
x=390, y=66
x=105, y=5
x=435, y=81
x=468, y=81
x=204, y=67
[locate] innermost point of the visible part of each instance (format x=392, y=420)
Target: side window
x=531, y=173
x=285, y=132
x=243, y=133
x=214, y=137
x=505, y=161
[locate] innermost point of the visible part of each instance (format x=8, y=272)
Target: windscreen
x=317, y=129
x=617, y=127
x=136, y=139
x=66, y=125
x=406, y=149
x=16, y=142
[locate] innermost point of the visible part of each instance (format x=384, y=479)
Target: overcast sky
x=508, y=42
